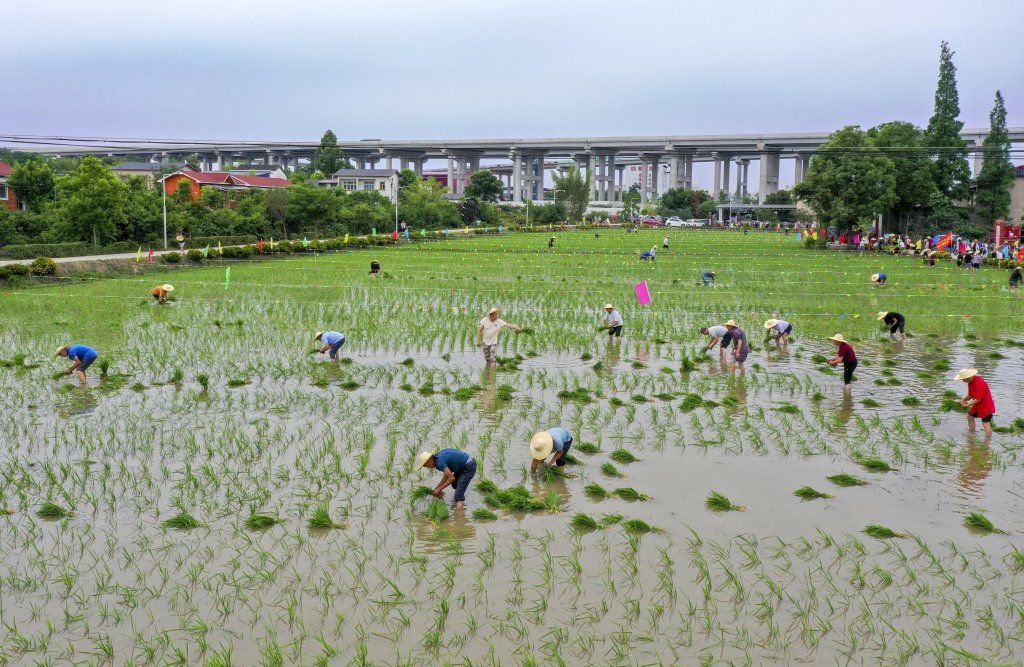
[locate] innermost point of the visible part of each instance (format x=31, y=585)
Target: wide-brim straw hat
x=422, y=458
x=882, y=314
x=874, y=277
x=838, y=338
x=609, y=306
x=731, y=323
x=168, y=287
x=770, y=323
x=966, y=374
x=493, y=311
x=541, y=445
x=317, y=335
x=62, y=348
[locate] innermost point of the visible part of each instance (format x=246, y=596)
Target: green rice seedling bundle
x=819, y=359
x=321, y=518
x=595, y=490
x=583, y=521
x=873, y=463
x=203, y=380
x=238, y=382
x=262, y=521
x=623, y=456
x=911, y=401
x=553, y=502
x=720, y=503
x=609, y=469
x=176, y=376
x=484, y=514
x=586, y=356
x=787, y=408
x=437, y=511
x=509, y=363
x=665, y=396
x=978, y=521
x=465, y=393
x=950, y=404
x=421, y=492
x=638, y=398
x=484, y=485
x=104, y=365
x=616, y=402
x=51, y=510
x=182, y=521
x=881, y=532
x=547, y=473
x=578, y=395
x=729, y=401
x=587, y=448
x=408, y=361
x=629, y=493
x=611, y=519
x=638, y=526
x=809, y=493
x=572, y=460
x=845, y=479
x=505, y=392
x=350, y=385
x=870, y=403
x=514, y=499
x=691, y=402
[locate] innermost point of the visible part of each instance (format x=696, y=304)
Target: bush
x=223, y=240
x=170, y=257
x=30, y=250
x=10, y=270
x=42, y=266
x=195, y=255
x=238, y=252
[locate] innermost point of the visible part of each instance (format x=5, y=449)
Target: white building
x=351, y=180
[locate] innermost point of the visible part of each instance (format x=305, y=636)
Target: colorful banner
x=227, y=277
x=945, y=242
x=643, y=295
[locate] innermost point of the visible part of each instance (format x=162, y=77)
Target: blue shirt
x=81, y=352
x=452, y=459
x=332, y=338
x=882, y=277
x=560, y=437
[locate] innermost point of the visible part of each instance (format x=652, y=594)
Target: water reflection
x=489, y=397
x=612, y=357
x=75, y=401
x=977, y=466
x=438, y=537
x=845, y=410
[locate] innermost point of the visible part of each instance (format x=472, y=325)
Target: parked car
x=694, y=222
x=674, y=221
x=651, y=221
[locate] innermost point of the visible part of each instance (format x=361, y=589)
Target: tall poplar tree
x=951, y=172
x=992, y=198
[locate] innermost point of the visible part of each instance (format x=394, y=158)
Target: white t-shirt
x=491, y=330
x=613, y=318
x=718, y=331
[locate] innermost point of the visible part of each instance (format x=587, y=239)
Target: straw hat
x=493, y=311
x=62, y=348
x=874, y=277
x=770, y=323
x=608, y=306
x=731, y=323
x=422, y=458
x=317, y=335
x=168, y=287
x=882, y=314
x=838, y=338
x=541, y=445
x=966, y=374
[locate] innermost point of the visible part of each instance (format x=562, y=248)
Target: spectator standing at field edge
x=846, y=355
x=82, y=355
x=613, y=322
x=487, y=335
x=978, y=401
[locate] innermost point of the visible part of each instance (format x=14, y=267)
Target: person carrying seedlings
x=374, y=268
x=648, y=255
x=487, y=335
x=716, y=334
x=332, y=341
x=551, y=242
x=740, y=348
x=664, y=243
x=161, y=292
x=846, y=355
x=82, y=355
x=708, y=278
x=457, y=470
x=978, y=400
x=1015, y=278
x=778, y=330
x=879, y=278
x=897, y=323
x=613, y=322
x=554, y=442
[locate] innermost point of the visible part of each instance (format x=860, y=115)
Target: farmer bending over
x=613, y=322
x=555, y=441
x=82, y=355
x=778, y=330
x=332, y=341
x=716, y=334
x=161, y=292
x=487, y=335
x=896, y=323
x=708, y=277
x=740, y=348
x=849, y=359
x=457, y=469
x=879, y=278
x=978, y=400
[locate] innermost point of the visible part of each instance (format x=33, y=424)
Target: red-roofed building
x=221, y=180
x=7, y=197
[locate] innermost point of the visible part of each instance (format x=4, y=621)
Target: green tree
x=277, y=210
x=310, y=208
x=682, y=202
x=950, y=171
x=992, y=197
x=143, y=219
x=777, y=198
x=424, y=206
x=903, y=143
x=407, y=178
x=328, y=157
x=631, y=203
x=33, y=182
x=849, y=181
x=92, y=203
x=484, y=186
x=573, y=192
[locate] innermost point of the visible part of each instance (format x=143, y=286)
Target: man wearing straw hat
x=846, y=355
x=487, y=335
x=332, y=341
x=978, y=400
x=457, y=469
x=778, y=330
x=716, y=334
x=708, y=278
x=897, y=323
x=879, y=278
x=613, y=322
x=543, y=444
x=161, y=292
x=82, y=355
x=740, y=348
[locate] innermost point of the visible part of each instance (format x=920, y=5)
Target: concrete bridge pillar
x=621, y=175
x=769, y=175
x=608, y=178
x=654, y=175
x=451, y=174
x=538, y=177
x=726, y=162
x=644, y=165
x=517, y=178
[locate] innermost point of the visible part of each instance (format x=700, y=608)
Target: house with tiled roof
x=7, y=197
x=221, y=180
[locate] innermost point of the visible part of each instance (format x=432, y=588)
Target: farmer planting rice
x=848, y=357
x=897, y=323
x=374, y=268
x=1015, y=278
x=457, y=469
x=82, y=355
x=554, y=442
x=648, y=255
x=879, y=278
x=978, y=400
x=332, y=341
x=487, y=335
x=717, y=334
x=778, y=330
x=708, y=277
x=161, y=292
x=740, y=348
x=613, y=322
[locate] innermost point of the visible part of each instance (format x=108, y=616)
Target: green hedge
x=33, y=250
x=212, y=241
x=9, y=270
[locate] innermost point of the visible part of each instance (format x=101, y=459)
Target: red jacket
x=978, y=389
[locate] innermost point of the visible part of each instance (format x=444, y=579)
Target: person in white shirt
x=487, y=335
x=778, y=330
x=613, y=322
x=716, y=334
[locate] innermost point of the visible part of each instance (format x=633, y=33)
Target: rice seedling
x=911, y=401
x=638, y=526
x=583, y=521
x=505, y=392
x=484, y=514
x=182, y=521
x=845, y=479
x=553, y=502
x=623, y=456
x=260, y=521
x=610, y=520
x=586, y=356
x=809, y=493
x=513, y=499
x=691, y=402
x=720, y=503
x=547, y=473
x=595, y=490
x=437, y=511
x=104, y=365
x=629, y=493
x=978, y=521
x=616, y=402
x=578, y=395
x=466, y=393
x=203, y=380
x=587, y=448
x=51, y=510
x=819, y=358
x=350, y=385
x=949, y=404
x=787, y=408
x=421, y=492
x=665, y=396
x=609, y=469
x=321, y=518
x=408, y=362
x=176, y=376
x=870, y=403
x=881, y=532
x=638, y=398
x=238, y=382
x=873, y=463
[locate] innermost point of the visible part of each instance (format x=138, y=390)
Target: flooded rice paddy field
x=213, y=411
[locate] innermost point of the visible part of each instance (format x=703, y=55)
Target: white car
x=674, y=221
x=694, y=222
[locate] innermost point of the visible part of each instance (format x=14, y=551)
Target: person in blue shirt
x=82, y=355
x=332, y=341
x=554, y=442
x=879, y=278
x=457, y=470
x=708, y=277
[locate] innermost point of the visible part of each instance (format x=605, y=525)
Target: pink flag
x=643, y=295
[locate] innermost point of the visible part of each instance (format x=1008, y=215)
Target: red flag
x=394, y=236
x=259, y=245
x=945, y=242
x=149, y=258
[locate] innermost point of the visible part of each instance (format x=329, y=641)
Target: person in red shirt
x=849, y=359
x=978, y=400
